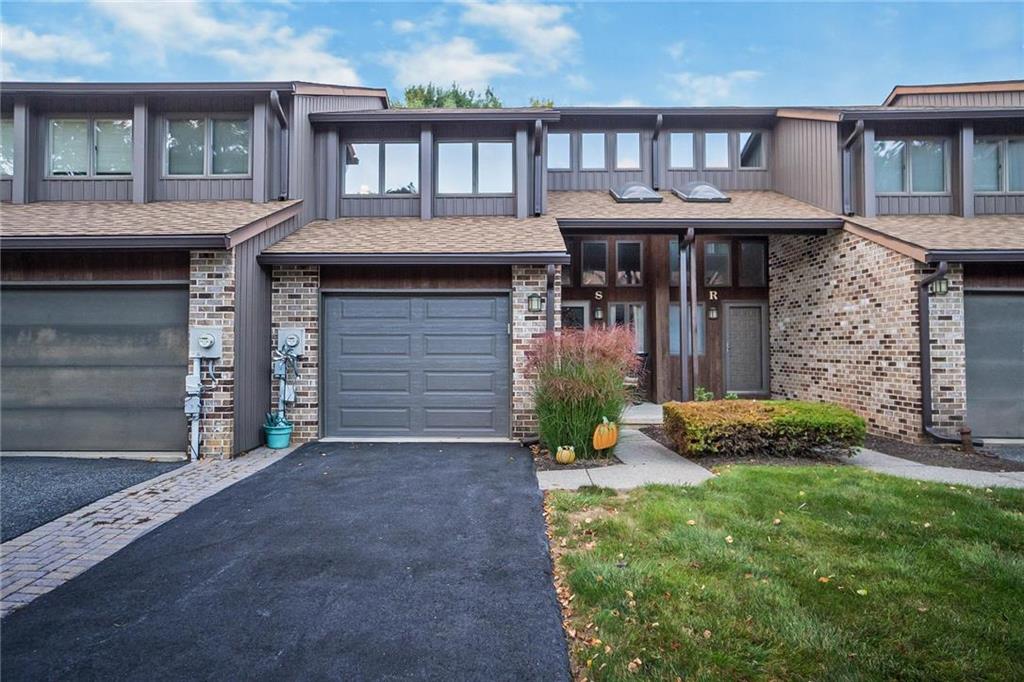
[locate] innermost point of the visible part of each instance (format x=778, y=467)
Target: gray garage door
x=93, y=368
x=995, y=364
x=416, y=366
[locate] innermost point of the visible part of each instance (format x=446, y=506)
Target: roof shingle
x=745, y=205
x=949, y=232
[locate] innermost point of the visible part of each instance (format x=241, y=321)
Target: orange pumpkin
x=566, y=454
x=606, y=435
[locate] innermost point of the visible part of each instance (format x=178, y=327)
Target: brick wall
x=295, y=302
x=949, y=356
x=526, y=326
x=212, y=304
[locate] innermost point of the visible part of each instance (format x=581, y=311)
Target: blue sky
x=575, y=53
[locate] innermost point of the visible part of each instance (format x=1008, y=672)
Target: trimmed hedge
x=774, y=428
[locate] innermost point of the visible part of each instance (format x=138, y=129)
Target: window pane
x=717, y=265
x=716, y=150
x=6, y=147
x=186, y=144
x=69, y=147
x=595, y=264
x=574, y=316
x=231, y=147
x=495, y=168
x=928, y=166
x=1015, y=165
x=455, y=168
x=889, y=163
x=114, y=147
x=628, y=264
x=362, y=168
x=627, y=150
x=592, y=150
x=680, y=150
x=753, y=265
x=638, y=322
x=986, y=166
x=401, y=168
x=558, y=151
x=673, y=329
x=673, y=261
x=751, y=150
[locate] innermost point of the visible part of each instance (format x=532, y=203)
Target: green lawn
x=820, y=572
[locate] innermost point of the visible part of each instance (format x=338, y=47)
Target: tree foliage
x=432, y=96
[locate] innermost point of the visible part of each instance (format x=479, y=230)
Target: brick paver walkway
x=48, y=556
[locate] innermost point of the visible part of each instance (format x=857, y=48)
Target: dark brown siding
x=36, y=266
x=962, y=99
x=994, y=276
x=494, y=277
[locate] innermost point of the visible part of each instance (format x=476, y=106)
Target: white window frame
x=764, y=150
x=476, y=167
x=15, y=170
x=631, y=321
x=615, y=151
x=381, y=168
x=704, y=150
x=586, y=311
x=547, y=157
x=908, y=168
x=693, y=149
x=604, y=141
x=207, y=146
x=90, y=125
x=1004, y=167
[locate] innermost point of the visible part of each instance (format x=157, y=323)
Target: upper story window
x=475, y=168
x=751, y=150
x=89, y=147
x=6, y=146
x=999, y=164
x=680, y=153
x=393, y=166
x=629, y=264
x=592, y=151
x=627, y=151
x=717, y=264
x=594, y=266
x=910, y=166
x=716, y=151
x=559, y=151
x=208, y=146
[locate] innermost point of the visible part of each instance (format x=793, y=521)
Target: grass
x=863, y=576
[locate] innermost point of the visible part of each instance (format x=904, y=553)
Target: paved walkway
x=641, y=414
x=644, y=461
x=46, y=557
x=904, y=468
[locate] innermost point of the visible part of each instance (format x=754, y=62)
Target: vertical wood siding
x=83, y=190
x=379, y=206
x=203, y=189
x=807, y=164
x=455, y=206
x=253, y=336
x=988, y=204
x=6, y=185
x=914, y=205
x=962, y=99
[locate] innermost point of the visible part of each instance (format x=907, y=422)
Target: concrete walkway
x=904, y=468
x=643, y=461
x=641, y=414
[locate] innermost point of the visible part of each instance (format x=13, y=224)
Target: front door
x=746, y=348
x=994, y=340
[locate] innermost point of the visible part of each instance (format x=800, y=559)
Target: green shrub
x=580, y=379
x=773, y=428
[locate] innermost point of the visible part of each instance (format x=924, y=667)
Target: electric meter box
x=204, y=342
x=292, y=339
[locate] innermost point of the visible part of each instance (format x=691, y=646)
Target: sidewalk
x=904, y=468
x=643, y=461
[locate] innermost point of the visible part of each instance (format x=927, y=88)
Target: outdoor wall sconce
x=598, y=313
x=534, y=303
x=713, y=312
x=939, y=287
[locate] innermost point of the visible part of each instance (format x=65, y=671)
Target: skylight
x=699, y=191
x=635, y=193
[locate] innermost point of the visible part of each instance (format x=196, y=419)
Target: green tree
x=433, y=96
x=542, y=103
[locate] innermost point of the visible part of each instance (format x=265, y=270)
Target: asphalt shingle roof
x=949, y=232
x=744, y=205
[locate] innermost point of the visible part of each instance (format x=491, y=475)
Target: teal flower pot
x=278, y=437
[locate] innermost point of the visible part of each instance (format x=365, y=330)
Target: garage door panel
x=98, y=429
x=109, y=345
x=106, y=387
x=994, y=339
x=88, y=306
x=447, y=376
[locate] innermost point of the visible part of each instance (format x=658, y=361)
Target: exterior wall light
x=598, y=313
x=534, y=303
x=713, y=312
x=939, y=287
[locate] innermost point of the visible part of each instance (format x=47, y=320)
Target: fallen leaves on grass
x=634, y=665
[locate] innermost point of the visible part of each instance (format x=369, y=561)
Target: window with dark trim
x=911, y=166
x=999, y=164
x=753, y=265
x=370, y=166
x=751, y=145
x=6, y=147
x=485, y=168
x=717, y=264
x=594, y=264
x=208, y=146
x=629, y=264
x=89, y=147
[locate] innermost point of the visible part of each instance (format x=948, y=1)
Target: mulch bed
x=543, y=460
x=658, y=433
x=942, y=455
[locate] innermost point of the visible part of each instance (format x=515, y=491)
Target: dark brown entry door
x=746, y=347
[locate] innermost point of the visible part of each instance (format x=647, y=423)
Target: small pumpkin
x=566, y=454
x=606, y=435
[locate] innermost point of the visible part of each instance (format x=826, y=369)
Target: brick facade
x=295, y=302
x=526, y=326
x=212, y=304
x=844, y=329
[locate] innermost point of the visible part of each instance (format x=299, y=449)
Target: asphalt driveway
x=36, y=490
x=341, y=561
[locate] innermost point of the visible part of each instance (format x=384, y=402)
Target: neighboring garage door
x=94, y=369
x=995, y=364
x=416, y=366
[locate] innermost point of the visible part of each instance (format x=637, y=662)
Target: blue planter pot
x=278, y=437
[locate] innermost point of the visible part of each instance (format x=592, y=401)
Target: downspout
x=685, y=315
x=848, y=167
x=275, y=105
x=924, y=345
x=551, y=299
x=656, y=154
x=538, y=167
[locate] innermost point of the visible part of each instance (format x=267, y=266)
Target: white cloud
x=403, y=26
x=676, y=50
x=457, y=60
x=537, y=30
x=707, y=89
x=24, y=43
x=256, y=44
x=577, y=81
